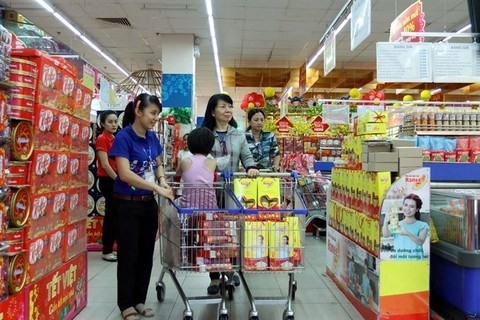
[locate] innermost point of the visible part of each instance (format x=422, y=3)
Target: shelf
x=6, y=85
x=331, y=148
x=322, y=166
x=448, y=133
x=453, y=171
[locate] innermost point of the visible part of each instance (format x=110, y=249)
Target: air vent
x=117, y=21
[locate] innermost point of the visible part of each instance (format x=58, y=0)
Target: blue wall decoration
x=177, y=90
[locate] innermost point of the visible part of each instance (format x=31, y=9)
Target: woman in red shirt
x=107, y=173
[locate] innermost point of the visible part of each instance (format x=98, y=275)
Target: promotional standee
x=45, y=234
x=380, y=257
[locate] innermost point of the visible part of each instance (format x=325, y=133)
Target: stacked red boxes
x=57, y=173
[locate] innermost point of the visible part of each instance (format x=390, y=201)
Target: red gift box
x=79, y=204
x=75, y=241
x=49, y=212
x=44, y=254
x=46, y=128
x=43, y=173
x=14, y=307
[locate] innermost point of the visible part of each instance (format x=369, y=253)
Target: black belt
x=132, y=198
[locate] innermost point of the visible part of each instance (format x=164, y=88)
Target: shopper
x=198, y=172
x=229, y=149
x=182, y=154
x=263, y=145
x=107, y=173
x=137, y=153
x=408, y=242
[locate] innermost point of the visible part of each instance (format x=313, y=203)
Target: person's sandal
x=146, y=312
x=110, y=257
x=130, y=315
x=214, y=286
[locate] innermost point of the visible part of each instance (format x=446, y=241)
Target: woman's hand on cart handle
x=252, y=173
x=164, y=192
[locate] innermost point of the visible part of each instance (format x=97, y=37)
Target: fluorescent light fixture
x=436, y=91
x=315, y=57
x=46, y=6
x=213, y=37
x=67, y=24
x=468, y=26
x=343, y=24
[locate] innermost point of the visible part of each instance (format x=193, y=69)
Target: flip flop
x=146, y=312
x=131, y=316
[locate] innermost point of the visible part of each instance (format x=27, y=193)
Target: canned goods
x=21, y=113
x=19, y=173
x=20, y=207
x=22, y=73
x=23, y=79
x=17, y=273
x=22, y=141
x=24, y=91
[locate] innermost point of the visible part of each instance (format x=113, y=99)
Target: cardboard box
x=371, y=128
x=256, y=245
x=386, y=157
x=75, y=240
x=279, y=247
x=380, y=166
x=61, y=294
x=404, y=170
x=14, y=307
x=268, y=193
x=463, y=155
x=46, y=128
x=79, y=204
x=49, y=212
x=408, y=152
x=438, y=156
x=43, y=173
x=410, y=162
x=62, y=168
x=372, y=147
x=396, y=143
x=44, y=254
x=373, y=117
x=245, y=190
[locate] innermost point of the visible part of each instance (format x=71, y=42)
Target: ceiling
x=261, y=42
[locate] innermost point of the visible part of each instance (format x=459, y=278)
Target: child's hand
x=167, y=193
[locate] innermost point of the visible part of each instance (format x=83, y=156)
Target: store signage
x=284, y=125
x=88, y=77
x=410, y=20
x=329, y=60
x=404, y=62
x=319, y=126
x=361, y=23
x=302, y=79
x=456, y=62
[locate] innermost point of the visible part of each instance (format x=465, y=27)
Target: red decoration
x=255, y=98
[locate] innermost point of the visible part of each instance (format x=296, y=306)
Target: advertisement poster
x=88, y=78
x=330, y=61
x=405, y=215
x=410, y=20
x=361, y=23
x=353, y=268
x=61, y=294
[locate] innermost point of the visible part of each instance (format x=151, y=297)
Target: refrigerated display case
x=455, y=260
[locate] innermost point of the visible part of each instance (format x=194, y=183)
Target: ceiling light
x=46, y=6
x=67, y=24
x=315, y=57
x=343, y=24
x=213, y=37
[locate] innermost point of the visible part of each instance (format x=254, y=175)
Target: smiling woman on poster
x=411, y=233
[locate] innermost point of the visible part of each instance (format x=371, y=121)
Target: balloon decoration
x=373, y=95
x=295, y=101
x=269, y=92
x=252, y=100
x=408, y=98
x=354, y=94
x=425, y=95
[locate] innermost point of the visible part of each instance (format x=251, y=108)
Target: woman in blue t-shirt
x=137, y=153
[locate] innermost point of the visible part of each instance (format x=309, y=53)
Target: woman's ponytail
x=129, y=115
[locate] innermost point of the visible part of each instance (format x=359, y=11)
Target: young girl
x=107, y=173
x=137, y=153
x=198, y=172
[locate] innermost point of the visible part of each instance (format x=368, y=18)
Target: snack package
x=280, y=246
x=268, y=193
x=474, y=143
x=463, y=143
x=246, y=192
x=296, y=241
x=256, y=243
x=463, y=156
x=437, y=143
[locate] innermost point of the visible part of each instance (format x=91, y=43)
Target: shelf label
x=404, y=62
x=456, y=62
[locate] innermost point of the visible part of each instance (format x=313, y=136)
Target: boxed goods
x=78, y=169
x=372, y=147
x=43, y=171
x=284, y=244
x=19, y=173
x=22, y=140
x=410, y=162
x=75, y=239
x=373, y=117
x=268, y=193
x=62, y=170
x=4, y=114
x=46, y=127
x=49, y=212
x=380, y=166
x=3, y=278
x=408, y=152
x=79, y=204
x=44, y=254
x=256, y=245
x=246, y=192
x=14, y=307
x=371, y=128
x=387, y=157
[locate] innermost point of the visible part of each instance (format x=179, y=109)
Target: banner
x=410, y=20
x=329, y=61
x=361, y=23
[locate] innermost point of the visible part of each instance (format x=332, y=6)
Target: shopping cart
x=314, y=190
x=273, y=240
x=201, y=234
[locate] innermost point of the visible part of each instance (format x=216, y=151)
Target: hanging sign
x=284, y=125
x=329, y=60
x=410, y=20
x=361, y=23
x=318, y=126
x=456, y=62
x=88, y=77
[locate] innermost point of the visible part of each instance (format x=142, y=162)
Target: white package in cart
x=256, y=245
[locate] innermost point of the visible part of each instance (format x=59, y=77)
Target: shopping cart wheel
x=188, y=318
x=160, y=291
x=294, y=289
x=223, y=317
x=288, y=315
x=230, y=290
x=253, y=318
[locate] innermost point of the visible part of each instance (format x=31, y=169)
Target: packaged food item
x=450, y=150
x=256, y=244
x=463, y=155
x=474, y=143
x=463, y=143
x=279, y=251
x=245, y=190
x=268, y=193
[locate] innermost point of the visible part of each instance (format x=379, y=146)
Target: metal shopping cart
x=273, y=238
x=200, y=233
x=314, y=190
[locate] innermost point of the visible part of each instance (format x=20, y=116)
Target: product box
x=410, y=162
x=268, y=193
x=68, y=88
x=49, y=212
x=19, y=173
x=380, y=166
x=295, y=232
x=463, y=155
x=404, y=170
x=403, y=143
x=373, y=117
x=256, y=244
x=245, y=190
x=288, y=145
x=62, y=168
x=438, y=156
x=408, y=152
x=426, y=155
x=78, y=204
x=61, y=294
x=79, y=135
x=298, y=144
x=376, y=147
x=75, y=241
x=14, y=307
x=43, y=173
x=82, y=110
x=46, y=128
x=44, y=254
x=474, y=156
x=78, y=169
x=450, y=156
x=379, y=184
x=280, y=249
x=386, y=157
x=371, y=128
x=63, y=132
x=4, y=263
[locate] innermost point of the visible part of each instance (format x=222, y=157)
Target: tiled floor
x=317, y=296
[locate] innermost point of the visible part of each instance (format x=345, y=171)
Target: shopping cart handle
x=227, y=174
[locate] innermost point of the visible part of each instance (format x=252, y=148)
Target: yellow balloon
x=269, y=92
x=425, y=95
x=251, y=104
x=408, y=98
x=354, y=93
x=397, y=104
x=376, y=101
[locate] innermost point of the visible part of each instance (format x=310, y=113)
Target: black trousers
x=137, y=228
x=110, y=218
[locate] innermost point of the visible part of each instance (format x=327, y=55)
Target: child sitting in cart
x=198, y=172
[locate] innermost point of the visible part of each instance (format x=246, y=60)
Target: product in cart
x=246, y=192
x=268, y=193
x=255, y=245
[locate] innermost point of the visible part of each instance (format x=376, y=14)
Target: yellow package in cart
x=295, y=232
x=246, y=192
x=279, y=246
x=268, y=193
x=256, y=245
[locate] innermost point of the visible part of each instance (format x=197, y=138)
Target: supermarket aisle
x=317, y=296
